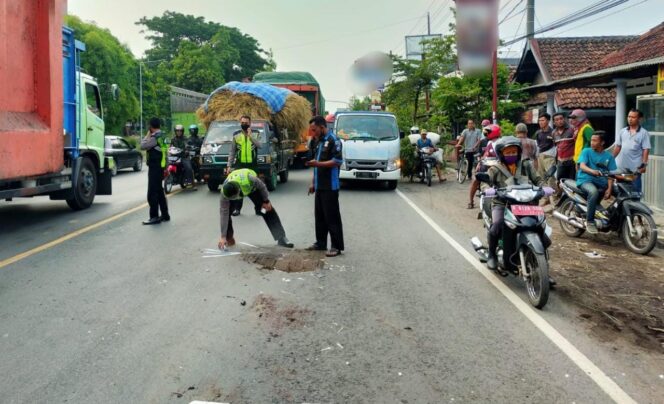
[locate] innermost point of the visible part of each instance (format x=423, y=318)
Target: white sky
x=326, y=37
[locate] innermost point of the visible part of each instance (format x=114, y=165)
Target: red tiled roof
x=585, y=98
x=648, y=46
x=564, y=57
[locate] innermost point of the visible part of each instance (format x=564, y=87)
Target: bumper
x=370, y=175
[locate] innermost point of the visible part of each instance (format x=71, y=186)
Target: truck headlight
x=393, y=164
x=264, y=159
x=207, y=160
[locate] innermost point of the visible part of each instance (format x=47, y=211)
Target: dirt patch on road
x=621, y=294
x=279, y=316
x=286, y=261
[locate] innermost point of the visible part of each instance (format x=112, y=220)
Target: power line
x=511, y=11
x=504, y=5
x=602, y=17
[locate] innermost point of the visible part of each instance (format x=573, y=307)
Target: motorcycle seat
x=572, y=185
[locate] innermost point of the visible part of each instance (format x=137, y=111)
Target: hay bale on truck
x=278, y=117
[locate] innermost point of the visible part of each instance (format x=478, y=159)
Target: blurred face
x=543, y=122
x=511, y=151
x=471, y=125
x=596, y=143
x=633, y=119
x=245, y=123
x=423, y=135
x=315, y=130
x=179, y=132
x=559, y=121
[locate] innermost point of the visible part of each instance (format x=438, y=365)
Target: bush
x=408, y=159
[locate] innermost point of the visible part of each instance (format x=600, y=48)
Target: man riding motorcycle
x=422, y=143
x=511, y=170
x=195, y=142
x=180, y=142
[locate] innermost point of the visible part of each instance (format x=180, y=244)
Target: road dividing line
x=74, y=234
x=586, y=365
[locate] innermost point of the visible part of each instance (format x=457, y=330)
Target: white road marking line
x=205, y=402
x=586, y=365
x=247, y=244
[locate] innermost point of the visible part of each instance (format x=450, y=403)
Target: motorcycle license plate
x=527, y=210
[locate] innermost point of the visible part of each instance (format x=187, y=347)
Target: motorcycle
x=526, y=236
x=427, y=163
x=626, y=215
x=194, y=154
x=174, y=170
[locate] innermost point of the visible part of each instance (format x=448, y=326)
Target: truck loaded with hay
x=278, y=117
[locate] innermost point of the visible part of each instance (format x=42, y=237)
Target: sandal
x=471, y=205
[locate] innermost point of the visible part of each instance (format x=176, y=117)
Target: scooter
x=626, y=215
x=174, y=170
x=427, y=164
x=526, y=236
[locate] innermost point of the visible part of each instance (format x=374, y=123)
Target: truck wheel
x=272, y=182
x=85, y=187
x=283, y=176
x=213, y=185
x=392, y=184
x=138, y=166
x=114, y=170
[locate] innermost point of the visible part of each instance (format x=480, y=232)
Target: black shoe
x=153, y=220
x=166, y=218
x=492, y=263
x=235, y=213
x=283, y=242
x=258, y=213
x=333, y=252
x=315, y=247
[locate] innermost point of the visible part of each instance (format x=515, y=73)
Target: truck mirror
x=115, y=91
x=402, y=134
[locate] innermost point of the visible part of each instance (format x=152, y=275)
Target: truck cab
x=273, y=156
x=371, y=146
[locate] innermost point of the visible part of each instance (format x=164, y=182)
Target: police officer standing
x=243, y=154
x=241, y=183
x=325, y=185
x=154, y=143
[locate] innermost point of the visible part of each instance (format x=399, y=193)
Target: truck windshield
x=367, y=127
x=222, y=132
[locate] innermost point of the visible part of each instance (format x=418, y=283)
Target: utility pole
x=530, y=18
x=426, y=90
x=428, y=23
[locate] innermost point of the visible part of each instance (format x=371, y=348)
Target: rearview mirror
x=483, y=177
x=402, y=134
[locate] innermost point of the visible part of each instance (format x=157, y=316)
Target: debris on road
x=278, y=318
x=594, y=254
x=291, y=261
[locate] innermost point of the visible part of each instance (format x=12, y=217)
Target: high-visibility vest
x=580, y=141
x=244, y=145
x=241, y=176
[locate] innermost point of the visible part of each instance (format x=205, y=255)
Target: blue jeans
x=636, y=185
x=594, y=196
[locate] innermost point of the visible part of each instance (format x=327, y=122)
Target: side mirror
x=483, y=177
x=402, y=134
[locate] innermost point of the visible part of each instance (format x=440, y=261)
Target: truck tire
x=85, y=188
x=392, y=184
x=283, y=176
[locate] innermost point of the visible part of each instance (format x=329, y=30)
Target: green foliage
x=109, y=62
x=408, y=159
x=507, y=128
x=359, y=104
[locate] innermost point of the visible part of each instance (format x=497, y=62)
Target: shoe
x=166, y=218
x=283, y=242
x=153, y=220
x=333, y=252
x=315, y=247
x=258, y=213
x=591, y=228
x=230, y=242
x=235, y=213
x=492, y=261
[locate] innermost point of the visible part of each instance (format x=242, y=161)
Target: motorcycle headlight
x=393, y=164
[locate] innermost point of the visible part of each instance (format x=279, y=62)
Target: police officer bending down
x=241, y=183
x=243, y=154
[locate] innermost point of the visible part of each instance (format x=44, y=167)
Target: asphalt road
x=129, y=313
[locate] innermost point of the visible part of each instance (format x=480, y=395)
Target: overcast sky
x=325, y=37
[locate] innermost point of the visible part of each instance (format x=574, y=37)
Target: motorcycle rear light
x=172, y=169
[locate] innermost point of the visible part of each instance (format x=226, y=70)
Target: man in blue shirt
x=592, y=163
x=632, y=147
x=423, y=142
x=325, y=186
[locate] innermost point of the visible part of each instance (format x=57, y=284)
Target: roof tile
x=648, y=46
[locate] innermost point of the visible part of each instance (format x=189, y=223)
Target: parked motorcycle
x=526, y=236
x=626, y=215
x=427, y=163
x=174, y=169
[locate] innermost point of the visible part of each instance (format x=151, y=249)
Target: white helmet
x=414, y=130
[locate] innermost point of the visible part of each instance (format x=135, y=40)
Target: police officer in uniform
x=325, y=186
x=243, y=154
x=155, y=144
x=241, y=183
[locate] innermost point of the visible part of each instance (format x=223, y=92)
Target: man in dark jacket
x=155, y=145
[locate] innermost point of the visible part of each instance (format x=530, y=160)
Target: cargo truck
x=51, y=118
x=304, y=84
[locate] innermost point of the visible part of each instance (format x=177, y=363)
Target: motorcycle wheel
x=537, y=284
x=168, y=184
x=646, y=233
x=428, y=175
x=568, y=209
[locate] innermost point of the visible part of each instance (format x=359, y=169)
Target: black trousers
x=566, y=170
x=470, y=156
x=271, y=218
x=237, y=204
x=328, y=219
x=156, y=196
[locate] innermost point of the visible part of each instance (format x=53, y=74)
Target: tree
x=110, y=62
x=359, y=104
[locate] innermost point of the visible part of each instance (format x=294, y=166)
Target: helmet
x=178, y=127
x=329, y=118
x=486, y=123
x=193, y=130
x=494, y=132
x=506, y=142
x=231, y=190
x=414, y=130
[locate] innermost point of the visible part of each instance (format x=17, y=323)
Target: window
x=92, y=98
